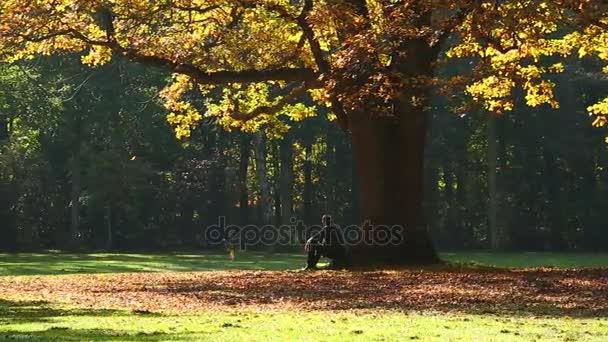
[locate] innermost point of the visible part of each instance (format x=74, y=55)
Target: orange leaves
x=546, y=291
x=600, y=110
x=600, y=121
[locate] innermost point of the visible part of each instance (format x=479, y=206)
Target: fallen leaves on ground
x=538, y=291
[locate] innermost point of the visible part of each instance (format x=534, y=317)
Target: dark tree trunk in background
x=592, y=215
x=449, y=198
x=276, y=193
x=555, y=203
x=307, y=192
x=496, y=153
x=493, y=230
x=432, y=197
x=461, y=204
x=265, y=203
x=220, y=203
x=286, y=180
x=4, y=128
x=243, y=190
x=330, y=177
x=76, y=180
x=505, y=209
x=186, y=224
x=8, y=227
x=109, y=232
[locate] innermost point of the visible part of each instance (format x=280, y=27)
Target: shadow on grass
x=39, y=312
x=68, y=334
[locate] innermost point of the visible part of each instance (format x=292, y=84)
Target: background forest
x=88, y=161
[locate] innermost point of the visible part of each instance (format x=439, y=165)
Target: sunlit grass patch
x=51, y=323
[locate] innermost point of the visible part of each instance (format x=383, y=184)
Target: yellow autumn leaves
x=510, y=45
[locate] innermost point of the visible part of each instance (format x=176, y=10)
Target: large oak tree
x=373, y=64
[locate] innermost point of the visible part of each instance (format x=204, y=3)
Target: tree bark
x=110, y=234
x=554, y=197
x=259, y=146
x=286, y=180
x=330, y=178
x=75, y=199
x=432, y=197
x=307, y=191
x=389, y=155
x=496, y=162
x=242, y=179
x=493, y=229
x=449, y=197
x=390, y=162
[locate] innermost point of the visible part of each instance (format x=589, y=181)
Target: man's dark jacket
x=330, y=238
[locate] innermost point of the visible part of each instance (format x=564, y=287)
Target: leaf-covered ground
x=546, y=292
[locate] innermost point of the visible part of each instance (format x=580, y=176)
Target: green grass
x=61, y=263
x=529, y=259
x=36, y=322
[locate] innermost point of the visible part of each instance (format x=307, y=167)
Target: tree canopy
x=261, y=58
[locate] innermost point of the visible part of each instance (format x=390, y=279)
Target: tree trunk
x=110, y=234
x=307, y=191
x=242, y=180
x=556, y=212
x=265, y=202
x=389, y=155
x=187, y=230
x=449, y=197
x=330, y=178
x=390, y=161
x=493, y=229
x=496, y=154
x=432, y=197
x=463, y=233
x=286, y=180
x=75, y=200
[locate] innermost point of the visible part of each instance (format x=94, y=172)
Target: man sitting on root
x=327, y=242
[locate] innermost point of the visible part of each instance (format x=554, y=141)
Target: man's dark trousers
x=318, y=250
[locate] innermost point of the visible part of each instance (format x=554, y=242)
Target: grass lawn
x=55, y=297
x=62, y=263
x=45, y=323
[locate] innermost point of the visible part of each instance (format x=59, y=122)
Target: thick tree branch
x=200, y=76
x=322, y=64
x=225, y=76
x=315, y=47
